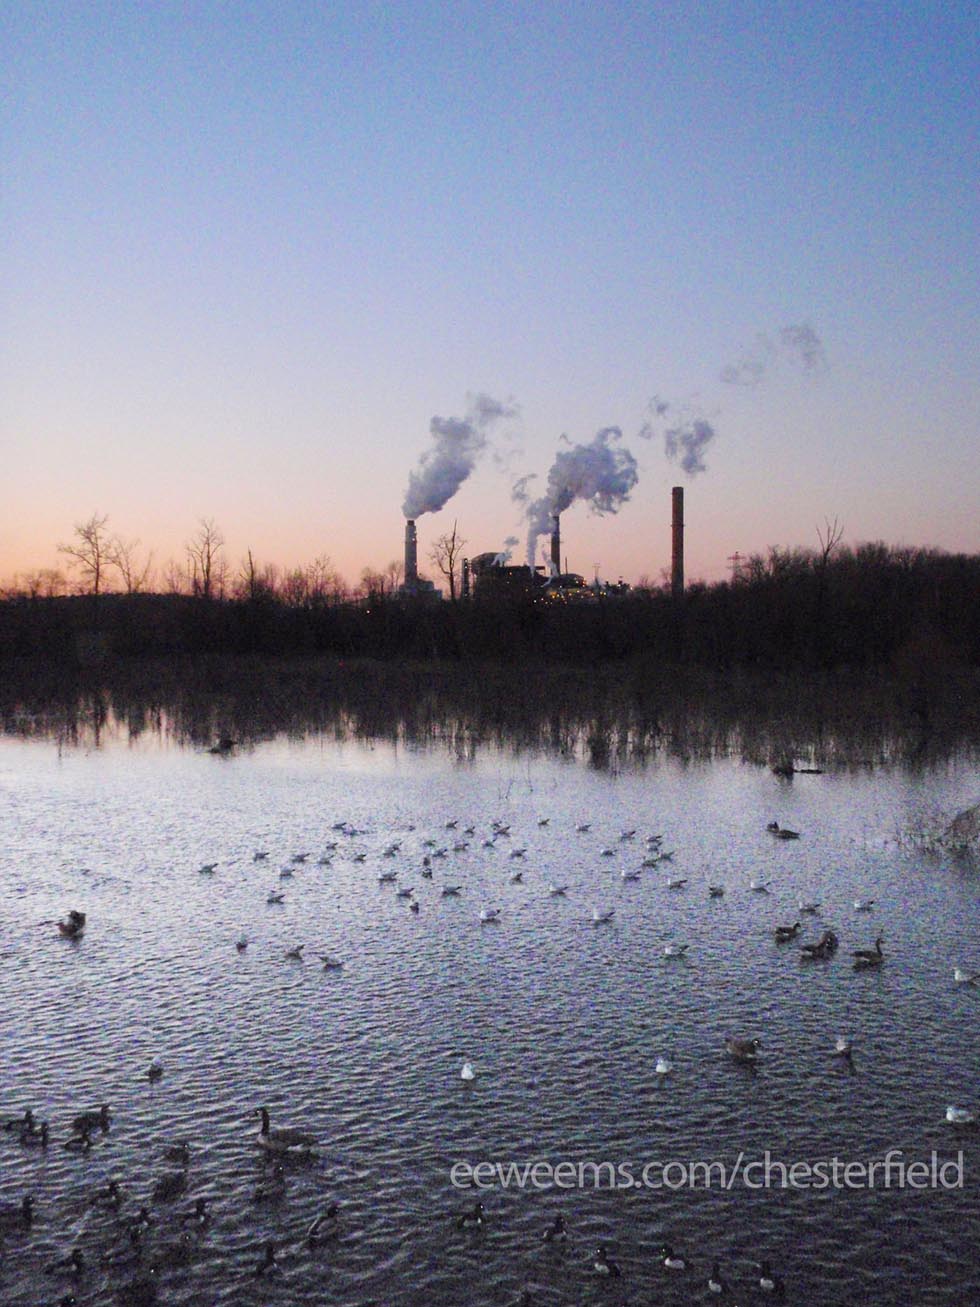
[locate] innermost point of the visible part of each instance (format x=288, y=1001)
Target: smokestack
x=466, y=578
x=556, y=544
x=677, y=558
x=411, y=554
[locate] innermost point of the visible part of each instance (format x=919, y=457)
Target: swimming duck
x=74, y=926
x=716, y=891
x=295, y=954
x=607, y=853
x=451, y=825
x=670, y=1261
x=179, y=1153
x=260, y=855
x=768, y=1282
x=300, y=857
x=557, y=891
x=322, y=1226
x=73, y=1264
x=110, y=1196
x=783, y=934
x=863, y=905
x=961, y=977
x=675, y=950
x=207, y=869
x=273, y=1189
x=80, y=1143
x=677, y=882
x=843, y=1047
x=470, y=1219
x=743, y=1050
x=781, y=833
x=583, y=827
x=19, y=1217
x=275, y=896
x=873, y=955
x=268, y=1262
x=405, y=892
x=517, y=853
x=286, y=873
x=808, y=907
x=556, y=1232
x=517, y=878
x=241, y=943
x=825, y=947
x=467, y=1072
x=439, y=853
x=630, y=875
x=663, y=1066
x=627, y=834
x=285, y=1139
x=715, y=1282
x=488, y=915
x=603, y=1264
x=155, y=1070
x=960, y=1116
x=330, y=963
x=451, y=891
x=602, y=917
x=759, y=886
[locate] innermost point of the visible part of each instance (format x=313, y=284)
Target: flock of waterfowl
x=138, y=1244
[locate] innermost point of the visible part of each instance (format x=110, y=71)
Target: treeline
x=873, y=607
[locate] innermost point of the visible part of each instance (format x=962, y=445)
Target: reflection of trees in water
x=610, y=716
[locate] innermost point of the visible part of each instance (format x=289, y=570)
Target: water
x=562, y=1020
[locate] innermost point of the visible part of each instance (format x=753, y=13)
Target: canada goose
x=556, y=1232
x=874, y=955
x=273, y=1189
x=284, y=1139
x=97, y=1119
x=783, y=934
x=677, y=882
x=110, y=1196
x=468, y=1220
x=825, y=947
x=743, y=1050
x=179, y=1153
x=268, y=1262
x=37, y=1138
x=715, y=1282
x=80, y=1143
x=198, y=1215
x=73, y=1264
x=603, y=1265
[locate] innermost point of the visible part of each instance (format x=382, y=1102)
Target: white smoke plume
x=457, y=443
x=686, y=434
x=504, y=557
x=798, y=344
x=601, y=473
x=804, y=346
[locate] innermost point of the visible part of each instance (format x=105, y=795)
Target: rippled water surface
x=561, y=1019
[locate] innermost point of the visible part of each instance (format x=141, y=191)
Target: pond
x=562, y=1020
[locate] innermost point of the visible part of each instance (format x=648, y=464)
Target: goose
x=783, y=934
x=80, y=1143
x=20, y=1123
x=488, y=915
x=630, y=875
x=759, y=886
x=273, y=1189
x=627, y=834
x=198, y=1215
x=241, y=943
x=35, y=1138
x=556, y=1232
x=469, y=830
x=330, y=963
x=451, y=891
x=405, y=892
x=462, y=846
x=275, y=896
x=557, y=891
x=716, y=891
x=170, y=1185
x=843, y=1047
x=295, y=954
x=517, y=853
x=387, y=877
x=179, y=1153
x=871, y=954
x=300, y=857
x=781, y=833
x=392, y=849
x=474, y=1217
x=360, y=857
x=110, y=1196
x=677, y=882
x=768, y=1282
x=19, y=1217
x=413, y=906
x=73, y=1264
x=322, y=1226
x=207, y=869
x=961, y=977
x=601, y=917
x=285, y=873
x=451, y=825
x=960, y=1116
x=715, y=1282
x=284, y=1139
x=670, y=1261
x=675, y=950
x=663, y=1066
x=863, y=905
x=603, y=1265
x=583, y=827
x=743, y=1050
x=607, y=853
x=467, y=1072
x=71, y=929
x=517, y=878
x=544, y=821
x=809, y=908
x=825, y=947
x=97, y=1119
x=260, y=855
x=155, y=1070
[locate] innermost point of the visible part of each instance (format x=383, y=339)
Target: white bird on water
x=467, y=1072
x=863, y=905
x=962, y=977
x=600, y=917
x=960, y=1116
x=489, y=914
x=663, y=1067
x=675, y=950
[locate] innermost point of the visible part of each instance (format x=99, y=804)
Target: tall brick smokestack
x=411, y=554
x=677, y=538
x=556, y=544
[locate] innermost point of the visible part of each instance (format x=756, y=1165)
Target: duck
x=556, y=1232
x=759, y=886
x=275, y=896
x=21, y=1123
x=863, y=905
x=808, y=906
x=241, y=943
x=557, y=891
x=601, y=917
x=960, y=1116
x=79, y=1143
x=37, y=1138
x=489, y=915
x=583, y=827
x=268, y=1262
x=170, y=1186
x=110, y=1196
x=961, y=977
x=295, y=954
x=629, y=875
x=413, y=906
x=607, y=853
x=73, y=928
x=207, y=869
x=260, y=855
x=768, y=1282
x=783, y=934
x=743, y=1050
x=675, y=950
x=155, y=1070
x=451, y=891
x=387, y=877
x=517, y=853
x=359, y=857
x=843, y=1046
x=627, y=834
x=286, y=873
x=500, y=828
x=677, y=882
x=462, y=845
x=825, y=947
x=73, y=1264
x=18, y=1217
x=603, y=1265
x=452, y=824
x=322, y=1226
x=285, y=1139
x=405, y=892
x=716, y=1284
x=469, y=830
x=471, y=1219
x=330, y=963
x=663, y=1067
x=716, y=891
x=272, y=1189
x=670, y=1261
x=467, y=1072
x=517, y=878
x=872, y=955
x=299, y=858
x=544, y=821
x=781, y=832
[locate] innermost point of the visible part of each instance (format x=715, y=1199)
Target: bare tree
x=446, y=554
x=205, y=559
x=830, y=537
x=394, y=574
x=90, y=552
x=124, y=556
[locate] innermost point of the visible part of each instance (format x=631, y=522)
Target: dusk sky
x=250, y=251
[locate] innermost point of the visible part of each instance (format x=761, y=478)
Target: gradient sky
x=250, y=250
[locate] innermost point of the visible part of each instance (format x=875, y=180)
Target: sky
x=259, y=259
